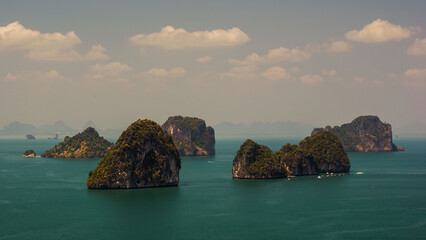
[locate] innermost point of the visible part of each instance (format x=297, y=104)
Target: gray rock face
x=144, y=156
x=364, y=134
x=191, y=136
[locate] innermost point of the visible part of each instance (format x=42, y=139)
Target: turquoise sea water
x=384, y=198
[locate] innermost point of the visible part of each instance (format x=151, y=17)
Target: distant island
x=87, y=144
x=29, y=153
x=320, y=153
x=144, y=156
x=364, y=134
x=191, y=136
x=54, y=138
x=48, y=130
x=30, y=137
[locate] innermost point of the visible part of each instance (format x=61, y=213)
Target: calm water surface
x=384, y=198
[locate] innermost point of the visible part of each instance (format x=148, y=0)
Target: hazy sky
x=318, y=62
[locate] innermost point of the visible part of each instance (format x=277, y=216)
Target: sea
x=384, y=197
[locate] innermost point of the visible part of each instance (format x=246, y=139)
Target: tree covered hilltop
x=191, y=136
x=320, y=153
x=364, y=134
x=87, y=144
x=144, y=156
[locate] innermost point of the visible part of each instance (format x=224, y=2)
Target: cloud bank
x=46, y=46
x=114, y=69
x=275, y=55
x=39, y=76
x=171, y=38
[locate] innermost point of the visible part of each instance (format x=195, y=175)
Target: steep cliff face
x=364, y=134
x=87, y=144
x=191, y=136
x=257, y=161
x=144, y=156
x=320, y=153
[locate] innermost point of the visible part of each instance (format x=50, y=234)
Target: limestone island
x=87, y=144
x=320, y=153
x=191, y=136
x=364, y=134
x=30, y=137
x=29, y=153
x=144, y=156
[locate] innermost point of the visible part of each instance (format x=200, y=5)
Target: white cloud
x=46, y=46
x=110, y=70
x=204, y=59
x=379, y=31
x=331, y=72
x=38, y=75
x=415, y=77
x=163, y=73
x=339, y=47
x=418, y=48
x=311, y=80
x=275, y=74
x=276, y=55
x=171, y=38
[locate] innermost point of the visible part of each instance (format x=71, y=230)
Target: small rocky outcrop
x=320, y=153
x=29, y=153
x=144, y=156
x=191, y=136
x=87, y=144
x=364, y=134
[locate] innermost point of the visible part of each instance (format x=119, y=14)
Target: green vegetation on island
x=191, y=136
x=144, y=156
x=364, y=134
x=87, y=144
x=320, y=153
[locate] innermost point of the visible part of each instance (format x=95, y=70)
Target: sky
x=113, y=62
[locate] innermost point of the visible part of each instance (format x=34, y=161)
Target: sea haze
x=383, y=198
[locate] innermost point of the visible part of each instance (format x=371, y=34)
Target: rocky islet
x=320, y=153
x=364, y=134
x=144, y=156
x=87, y=144
x=191, y=136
